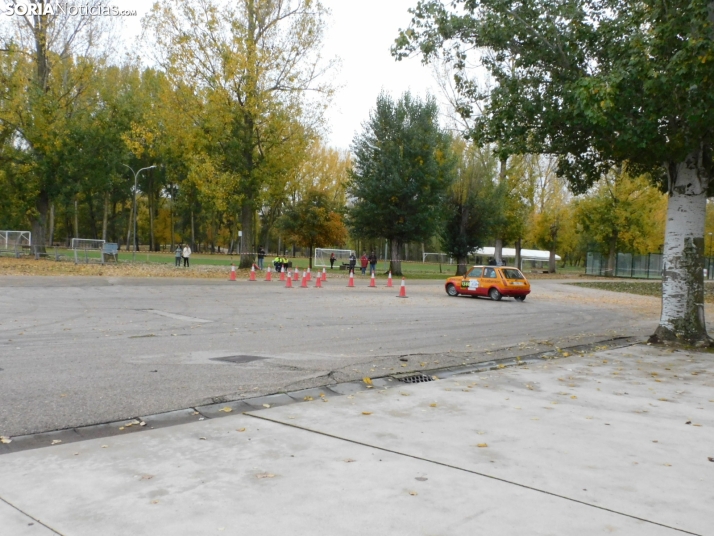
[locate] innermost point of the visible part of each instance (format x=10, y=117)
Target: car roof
x=491, y=266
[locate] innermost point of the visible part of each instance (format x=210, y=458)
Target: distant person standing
x=353, y=261
x=186, y=256
x=178, y=254
x=261, y=256
x=364, y=261
x=372, y=263
x=332, y=260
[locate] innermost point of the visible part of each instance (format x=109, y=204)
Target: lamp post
x=136, y=176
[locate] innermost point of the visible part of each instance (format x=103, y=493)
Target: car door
x=470, y=282
x=488, y=279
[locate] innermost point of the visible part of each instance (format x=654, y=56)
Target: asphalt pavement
x=79, y=351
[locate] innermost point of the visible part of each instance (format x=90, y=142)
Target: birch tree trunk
x=682, y=317
x=498, y=251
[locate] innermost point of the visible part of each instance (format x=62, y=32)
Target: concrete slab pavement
x=592, y=444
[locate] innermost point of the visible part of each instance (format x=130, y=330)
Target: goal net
x=441, y=258
x=87, y=249
x=11, y=240
x=322, y=256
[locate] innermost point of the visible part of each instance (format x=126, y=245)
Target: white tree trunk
x=682, y=316
x=498, y=251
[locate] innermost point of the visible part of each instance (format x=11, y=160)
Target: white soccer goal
x=85, y=248
x=441, y=258
x=13, y=239
x=322, y=256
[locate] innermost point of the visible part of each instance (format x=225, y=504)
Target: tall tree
x=257, y=66
x=473, y=203
x=53, y=56
x=314, y=221
x=403, y=166
x=597, y=83
x=620, y=213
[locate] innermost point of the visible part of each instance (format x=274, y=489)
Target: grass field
x=643, y=288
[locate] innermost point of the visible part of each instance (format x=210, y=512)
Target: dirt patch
x=44, y=267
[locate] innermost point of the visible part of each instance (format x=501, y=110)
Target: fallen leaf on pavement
x=56, y=441
x=350, y=460
x=366, y=380
x=264, y=475
x=432, y=405
x=366, y=413
x=226, y=409
x=711, y=459
x=413, y=493
x=404, y=394
x=573, y=397
x=482, y=445
x=240, y=430
x=266, y=405
x=5, y=440
x=202, y=438
x=308, y=399
x=105, y=446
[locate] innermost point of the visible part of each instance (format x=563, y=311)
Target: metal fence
x=635, y=266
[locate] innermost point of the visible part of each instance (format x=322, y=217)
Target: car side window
x=489, y=272
x=476, y=272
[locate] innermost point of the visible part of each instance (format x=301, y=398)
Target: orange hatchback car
x=492, y=281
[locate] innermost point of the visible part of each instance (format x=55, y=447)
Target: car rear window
x=510, y=273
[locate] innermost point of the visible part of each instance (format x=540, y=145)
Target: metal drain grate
x=414, y=378
x=237, y=359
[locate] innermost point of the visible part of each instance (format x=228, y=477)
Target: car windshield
x=511, y=273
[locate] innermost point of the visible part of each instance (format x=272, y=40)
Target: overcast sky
x=360, y=33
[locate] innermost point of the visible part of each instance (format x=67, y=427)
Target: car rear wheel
x=494, y=294
x=451, y=290
x=520, y=298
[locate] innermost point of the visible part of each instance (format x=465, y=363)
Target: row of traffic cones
x=306, y=277
x=373, y=284
x=269, y=275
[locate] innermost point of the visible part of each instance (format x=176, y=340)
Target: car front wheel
x=494, y=294
x=451, y=290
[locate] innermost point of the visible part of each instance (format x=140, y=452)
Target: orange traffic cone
x=352, y=279
x=233, y=272
x=389, y=279
x=372, y=282
x=318, y=281
x=289, y=281
x=403, y=289
x=268, y=275
x=304, y=279
x=309, y=276
x=282, y=273
x=252, y=273
x=324, y=275
x=296, y=275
